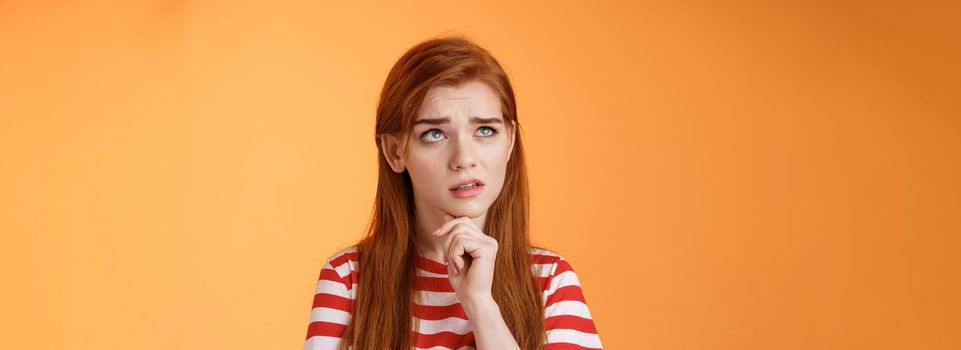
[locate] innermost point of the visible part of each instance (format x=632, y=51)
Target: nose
x=463, y=154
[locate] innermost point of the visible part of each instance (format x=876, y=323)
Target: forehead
x=461, y=101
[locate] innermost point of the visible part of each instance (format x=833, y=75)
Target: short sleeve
x=567, y=320
x=330, y=312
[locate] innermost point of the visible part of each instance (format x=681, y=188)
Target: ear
x=513, y=136
x=393, y=152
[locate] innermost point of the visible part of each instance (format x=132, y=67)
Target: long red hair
x=382, y=311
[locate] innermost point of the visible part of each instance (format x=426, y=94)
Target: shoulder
x=550, y=265
x=548, y=262
x=554, y=270
x=547, y=257
x=543, y=253
x=567, y=318
x=339, y=273
x=343, y=261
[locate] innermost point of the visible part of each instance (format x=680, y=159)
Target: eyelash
x=493, y=132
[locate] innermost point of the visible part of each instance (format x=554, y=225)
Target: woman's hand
x=469, y=254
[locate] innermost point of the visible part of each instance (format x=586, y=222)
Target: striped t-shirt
x=439, y=315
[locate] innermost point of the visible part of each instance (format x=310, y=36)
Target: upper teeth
x=464, y=187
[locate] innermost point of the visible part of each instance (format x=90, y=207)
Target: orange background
x=738, y=176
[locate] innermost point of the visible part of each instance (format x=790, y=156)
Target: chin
x=472, y=209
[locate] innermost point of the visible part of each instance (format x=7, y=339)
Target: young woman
x=446, y=260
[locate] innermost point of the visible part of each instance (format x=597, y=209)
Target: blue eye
x=431, y=132
x=493, y=131
x=438, y=133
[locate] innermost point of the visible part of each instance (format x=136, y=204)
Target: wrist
x=478, y=304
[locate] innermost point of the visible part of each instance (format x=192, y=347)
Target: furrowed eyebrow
x=441, y=121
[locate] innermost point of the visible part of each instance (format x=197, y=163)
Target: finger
x=450, y=224
x=462, y=248
x=458, y=261
x=469, y=231
x=459, y=249
x=462, y=232
x=448, y=247
x=440, y=231
x=469, y=228
x=448, y=241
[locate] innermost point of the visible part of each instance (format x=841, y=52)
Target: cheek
x=427, y=170
x=496, y=163
x=496, y=157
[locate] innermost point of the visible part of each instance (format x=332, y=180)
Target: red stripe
x=431, y=312
x=534, y=258
x=328, y=329
x=332, y=301
x=446, y=339
x=562, y=266
x=543, y=259
x=585, y=325
x=433, y=284
x=431, y=265
x=572, y=292
x=437, y=267
x=340, y=260
x=331, y=275
x=543, y=283
x=565, y=346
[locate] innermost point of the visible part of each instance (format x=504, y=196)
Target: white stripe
x=566, y=278
x=539, y=270
x=330, y=287
x=326, y=314
x=344, y=269
x=568, y=307
x=425, y=273
x=450, y=324
x=320, y=342
x=437, y=298
x=572, y=336
x=428, y=298
x=542, y=270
